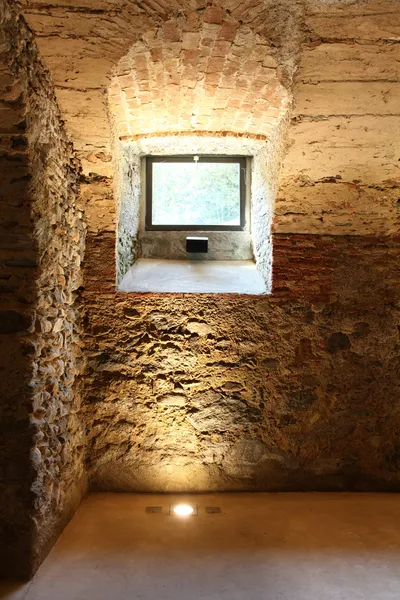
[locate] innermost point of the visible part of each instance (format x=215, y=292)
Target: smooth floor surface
x=193, y=276
x=260, y=547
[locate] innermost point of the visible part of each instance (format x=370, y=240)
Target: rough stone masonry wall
x=296, y=391
x=293, y=391
x=41, y=243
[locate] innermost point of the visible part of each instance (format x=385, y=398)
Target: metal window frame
x=240, y=160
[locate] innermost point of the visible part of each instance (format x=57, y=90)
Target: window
x=195, y=193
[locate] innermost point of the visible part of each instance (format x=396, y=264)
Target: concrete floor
x=260, y=547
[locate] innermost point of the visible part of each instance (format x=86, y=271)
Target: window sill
x=193, y=276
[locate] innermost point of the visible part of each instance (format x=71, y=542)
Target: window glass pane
x=186, y=193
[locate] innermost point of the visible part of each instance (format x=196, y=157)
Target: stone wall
x=293, y=391
x=41, y=244
x=17, y=281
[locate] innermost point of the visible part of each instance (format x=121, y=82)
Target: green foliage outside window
x=186, y=193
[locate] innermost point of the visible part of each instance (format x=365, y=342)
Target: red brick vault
x=186, y=65
x=199, y=71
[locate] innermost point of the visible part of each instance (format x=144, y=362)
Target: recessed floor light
x=183, y=510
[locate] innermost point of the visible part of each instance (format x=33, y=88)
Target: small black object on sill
x=197, y=245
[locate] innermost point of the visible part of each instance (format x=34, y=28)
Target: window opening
x=195, y=193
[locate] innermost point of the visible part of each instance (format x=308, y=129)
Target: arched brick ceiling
x=199, y=72
x=231, y=81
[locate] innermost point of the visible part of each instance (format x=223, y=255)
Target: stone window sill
x=193, y=276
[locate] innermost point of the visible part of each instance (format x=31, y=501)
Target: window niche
x=240, y=251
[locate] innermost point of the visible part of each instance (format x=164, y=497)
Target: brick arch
x=82, y=48
x=200, y=72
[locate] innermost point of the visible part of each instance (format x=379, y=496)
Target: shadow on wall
x=41, y=245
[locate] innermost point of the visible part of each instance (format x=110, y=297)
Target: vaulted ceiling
x=170, y=66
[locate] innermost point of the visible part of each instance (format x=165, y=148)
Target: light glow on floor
x=183, y=510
